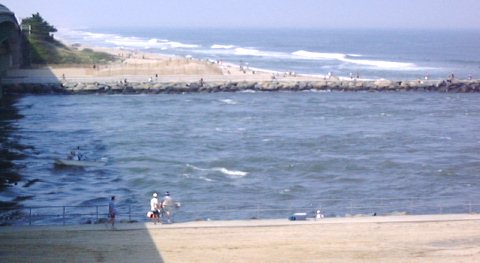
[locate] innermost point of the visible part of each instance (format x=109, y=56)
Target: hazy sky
x=424, y=14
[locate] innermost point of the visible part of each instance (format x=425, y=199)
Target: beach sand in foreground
x=441, y=238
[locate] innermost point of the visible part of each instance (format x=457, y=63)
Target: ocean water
x=372, y=54
x=243, y=155
x=263, y=155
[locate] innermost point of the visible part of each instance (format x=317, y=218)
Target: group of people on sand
x=162, y=209
x=158, y=209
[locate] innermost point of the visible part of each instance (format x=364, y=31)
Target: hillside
x=55, y=52
x=44, y=49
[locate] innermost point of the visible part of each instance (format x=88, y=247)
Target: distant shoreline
x=146, y=73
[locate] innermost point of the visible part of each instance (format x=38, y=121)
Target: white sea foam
x=383, y=64
x=229, y=101
x=303, y=54
x=230, y=172
x=128, y=42
x=309, y=55
x=195, y=168
x=96, y=35
x=77, y=36
x=181, y=45
x=206, y=179
x=223, y=170
x=248, y=52
x=240, y=51
x=350, y=58
x=218, y=46
x=136, y=42
x=122, y=41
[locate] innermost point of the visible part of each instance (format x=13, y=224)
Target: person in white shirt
x=155, y=208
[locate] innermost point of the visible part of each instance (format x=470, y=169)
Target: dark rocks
x=234, y=86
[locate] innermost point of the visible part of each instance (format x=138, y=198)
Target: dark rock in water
x=194, y=87
x=22, y=198
x=6, y=164
x=7, y=204
x=31, y=182
x=128, y=90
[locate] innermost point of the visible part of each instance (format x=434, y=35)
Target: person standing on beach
x=112, y=211
x=168, y=206
x=155, y=208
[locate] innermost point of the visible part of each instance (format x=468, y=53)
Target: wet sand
x=437, y=238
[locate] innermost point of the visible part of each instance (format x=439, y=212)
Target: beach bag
x=150, y=214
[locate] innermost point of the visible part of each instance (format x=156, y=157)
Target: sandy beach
x=139, y=72
x=425, y=238
x=138, y=66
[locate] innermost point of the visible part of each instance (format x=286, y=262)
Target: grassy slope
x=55, y=52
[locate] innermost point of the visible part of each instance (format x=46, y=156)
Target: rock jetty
x=455, y=86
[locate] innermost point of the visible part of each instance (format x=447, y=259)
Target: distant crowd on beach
x=134, y=63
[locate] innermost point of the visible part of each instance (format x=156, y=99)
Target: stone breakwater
x=455, y=86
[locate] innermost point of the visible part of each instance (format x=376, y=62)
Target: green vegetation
x=45, y=49
x=39, y=28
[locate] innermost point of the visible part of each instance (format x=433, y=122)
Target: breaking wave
x=302, y=54
x=218, y=46
x=115, y=40
x=351, y=58
x=223, y=170
x=271, y=58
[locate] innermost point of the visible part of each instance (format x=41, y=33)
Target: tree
x=40, y=44
x=42, y=48
x=39, y=28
